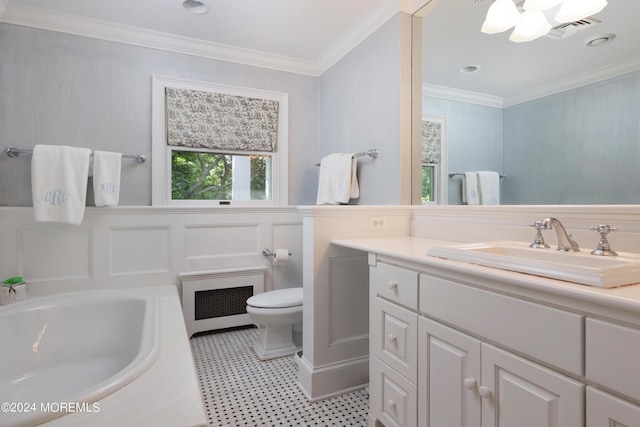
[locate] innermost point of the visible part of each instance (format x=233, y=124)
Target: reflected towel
x=470, y=193
x=59, y=176
x=489, y=186
x=106, y=178
x=338, y=181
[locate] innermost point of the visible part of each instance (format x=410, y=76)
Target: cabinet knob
x=392, y=338
x=469, y=383
x=392, y=404
x=484, y=391
x=393, y=284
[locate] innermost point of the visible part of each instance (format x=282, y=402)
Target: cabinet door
x=448, y=377
x=520, y=393
x=604, y=410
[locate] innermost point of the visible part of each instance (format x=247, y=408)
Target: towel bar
x=15, y=152
x=452, y=174
x=373, y=153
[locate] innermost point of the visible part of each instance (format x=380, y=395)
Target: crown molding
x=460, y=95
x=574, y=82
x=43, y=19
x=583, y=79
x=359, y=32
x=65, y=23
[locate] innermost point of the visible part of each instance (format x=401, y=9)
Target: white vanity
x=457, y=344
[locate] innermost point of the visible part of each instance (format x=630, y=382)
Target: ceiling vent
x=569, y=29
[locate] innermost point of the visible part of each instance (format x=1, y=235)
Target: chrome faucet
x=564, y=238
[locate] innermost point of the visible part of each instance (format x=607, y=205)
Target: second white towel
x=489, y=186
x=106, y=178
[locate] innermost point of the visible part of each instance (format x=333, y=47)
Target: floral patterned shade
x=431, y=141
x=219, y=121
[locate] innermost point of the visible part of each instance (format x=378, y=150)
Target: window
x=429, y=183
x=218, y=145
x=434, y=161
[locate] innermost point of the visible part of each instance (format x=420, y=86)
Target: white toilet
x=278, y=315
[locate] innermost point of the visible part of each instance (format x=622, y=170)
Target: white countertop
x=414, y=250
x=167, y=394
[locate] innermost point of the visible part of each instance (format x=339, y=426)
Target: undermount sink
x=577, y=267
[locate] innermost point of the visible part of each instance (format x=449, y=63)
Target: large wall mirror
x=558, y=117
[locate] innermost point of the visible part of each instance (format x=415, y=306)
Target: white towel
x=470, y=193
x=59, y=176
x=338, y=181
x=489, y=186
x=106, y=178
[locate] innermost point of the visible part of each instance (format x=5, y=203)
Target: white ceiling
x=307, y=31
x=518, y=72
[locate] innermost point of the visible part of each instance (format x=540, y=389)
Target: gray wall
x=577, y=147
x=63, y=89
x=360, y=109
x=474, y=138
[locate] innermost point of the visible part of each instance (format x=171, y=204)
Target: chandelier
x=530, y=22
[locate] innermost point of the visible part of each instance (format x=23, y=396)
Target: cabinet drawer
x=394, y=399
x=397, y=284
x=612, y=354
x=547, y=334
x=394, y=337
x=604, y=410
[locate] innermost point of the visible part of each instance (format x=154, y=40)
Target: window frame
x=161, y=151
x=442, y=173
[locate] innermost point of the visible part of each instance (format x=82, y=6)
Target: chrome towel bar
x=15, y=152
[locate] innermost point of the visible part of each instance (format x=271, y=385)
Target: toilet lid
x=279, y=298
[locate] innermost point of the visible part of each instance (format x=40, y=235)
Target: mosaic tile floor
x=241, y=390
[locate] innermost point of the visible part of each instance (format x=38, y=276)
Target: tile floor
x=241, y=390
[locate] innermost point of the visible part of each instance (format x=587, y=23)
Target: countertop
x=414, y=250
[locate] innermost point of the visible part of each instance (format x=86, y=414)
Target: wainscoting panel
x=289, y=273
x=139, y=250
x=142, y=246
x=46, y=254
x=216, y=240
x=348, y=281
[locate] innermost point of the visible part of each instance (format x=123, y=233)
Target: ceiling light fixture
x=529, y=20
x=195, y=6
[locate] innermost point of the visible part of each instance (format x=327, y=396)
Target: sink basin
x=577, y=267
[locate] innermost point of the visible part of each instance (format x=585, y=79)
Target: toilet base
x=274, y=341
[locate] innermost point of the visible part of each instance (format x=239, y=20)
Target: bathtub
x=99, y=358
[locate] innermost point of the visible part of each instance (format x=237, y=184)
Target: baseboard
x=322, y=382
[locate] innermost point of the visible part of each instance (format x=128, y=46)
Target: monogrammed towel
x=59, y=176
x=106, y=178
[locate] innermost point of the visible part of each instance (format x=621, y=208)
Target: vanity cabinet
x=451, y=353
x=466, y=382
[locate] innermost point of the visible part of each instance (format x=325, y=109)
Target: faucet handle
x=603, y=247
x=538, y=241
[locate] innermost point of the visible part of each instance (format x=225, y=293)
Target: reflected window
x=429, y=183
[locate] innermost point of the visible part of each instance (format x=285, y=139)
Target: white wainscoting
x=146, y=246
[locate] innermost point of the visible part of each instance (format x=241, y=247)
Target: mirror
x=560, y=120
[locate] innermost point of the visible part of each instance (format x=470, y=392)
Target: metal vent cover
x=564, y=30
x=214, y=303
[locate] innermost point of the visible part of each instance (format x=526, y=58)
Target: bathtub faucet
x=564, y=238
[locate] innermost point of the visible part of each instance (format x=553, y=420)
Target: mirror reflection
x=558, y=116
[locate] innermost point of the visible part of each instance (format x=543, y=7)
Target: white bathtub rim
x=149, y=350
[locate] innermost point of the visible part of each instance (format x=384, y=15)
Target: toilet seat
x=280, y=298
